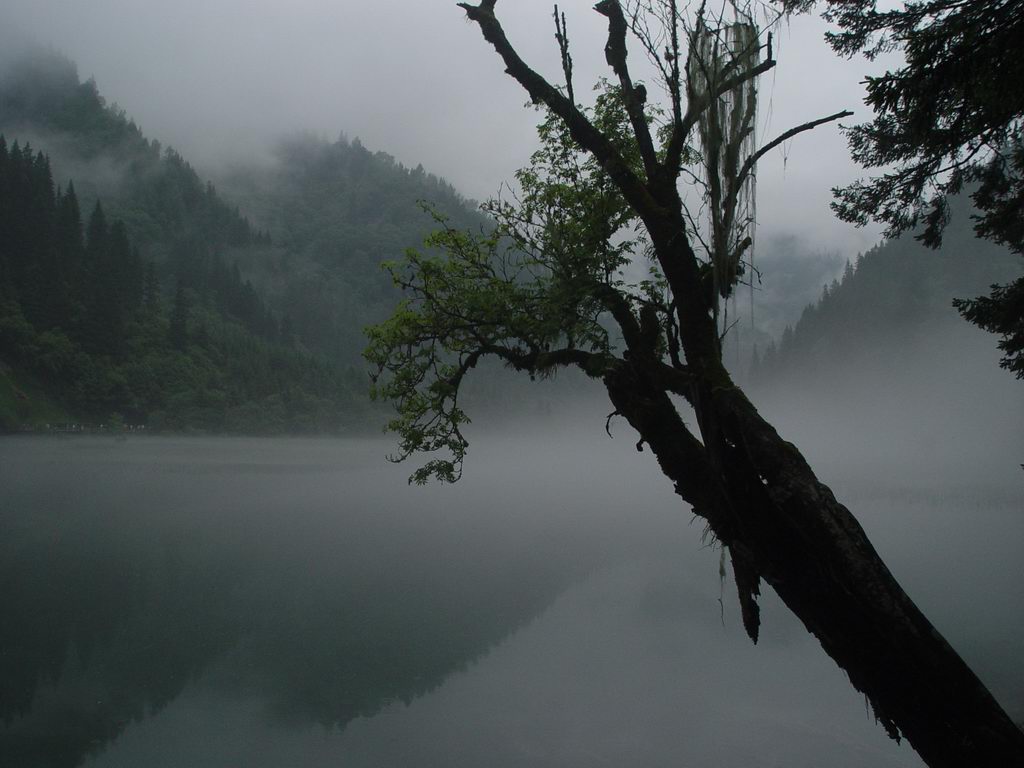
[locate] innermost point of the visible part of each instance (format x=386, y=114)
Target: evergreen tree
x=151, y=290
x=287, y=332
x=6, y=275
x=70, y=247
x=95, y=331
x=178, y=327
x=69, y=315
x=754, y=371
x=96, y=235
x=951, y=118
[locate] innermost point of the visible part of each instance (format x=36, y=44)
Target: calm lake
x=241, y=602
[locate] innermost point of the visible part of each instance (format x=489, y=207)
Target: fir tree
x=178, y=327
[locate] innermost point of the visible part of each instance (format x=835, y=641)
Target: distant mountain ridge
x=138, y=317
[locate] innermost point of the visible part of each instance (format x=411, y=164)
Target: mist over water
x=928, y=454
x=210, y=602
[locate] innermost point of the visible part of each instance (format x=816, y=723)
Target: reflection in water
x=121, y=584
x=208, y=603
x=100, y=627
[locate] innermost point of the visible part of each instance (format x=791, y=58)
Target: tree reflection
x=110, y=612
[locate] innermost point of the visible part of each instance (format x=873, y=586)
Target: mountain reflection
x=123, y=580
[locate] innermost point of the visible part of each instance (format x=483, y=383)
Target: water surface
x=224, y=602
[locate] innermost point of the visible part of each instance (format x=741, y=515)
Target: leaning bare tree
x=547, y=290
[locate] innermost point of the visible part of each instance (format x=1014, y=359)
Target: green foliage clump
x=536, y=291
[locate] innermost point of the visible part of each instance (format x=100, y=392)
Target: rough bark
x=812, y=551
x=781, y=524
x=758, y=494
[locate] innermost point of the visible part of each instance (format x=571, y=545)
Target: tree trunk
x=781, y=524
x=757, y=493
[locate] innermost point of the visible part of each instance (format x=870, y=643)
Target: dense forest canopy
x=84, y=315
x=153, y=189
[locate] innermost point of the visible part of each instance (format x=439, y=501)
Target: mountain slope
x=328, y=213
x=81, y=314
x=153, y=190
x=256, y=307
x=337, y=211
x=897, y=299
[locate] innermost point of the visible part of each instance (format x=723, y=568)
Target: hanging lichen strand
x=726, y=128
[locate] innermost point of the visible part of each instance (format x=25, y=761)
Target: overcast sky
x=220, y=79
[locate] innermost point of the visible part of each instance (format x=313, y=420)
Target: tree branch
x=678, y=381
x=696, y=108
x=538, y=361
x=580, y=128
x=633, y=97
x=751, y=161
x=681, y=455
x=617, y=305
x=562, y=36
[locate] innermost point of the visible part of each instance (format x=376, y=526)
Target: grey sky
x=219, y=79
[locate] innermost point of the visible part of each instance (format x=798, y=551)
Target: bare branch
x=750, y=162
x=673, y=53
x=580, y=128
x=617, y=305
x=562, y=36
x=608, y=422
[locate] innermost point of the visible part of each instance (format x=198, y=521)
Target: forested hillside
x=337, y=211
x=82, y=316
x=212, y=322
x=896, y=298
x=157, y=194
